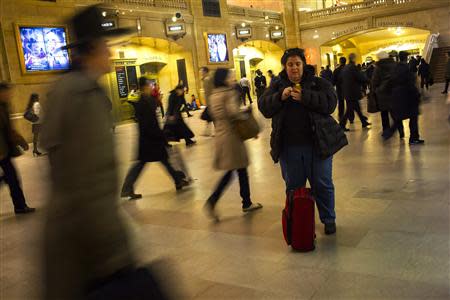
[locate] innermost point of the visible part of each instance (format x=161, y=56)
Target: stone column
x=292, y=30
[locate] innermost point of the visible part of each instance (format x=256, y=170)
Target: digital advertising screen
x=40, y=48
x=217, y=47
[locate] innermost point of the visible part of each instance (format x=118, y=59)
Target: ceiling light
x=104, y=13
x=277, y=27
x=174, y=19
x=243, y=24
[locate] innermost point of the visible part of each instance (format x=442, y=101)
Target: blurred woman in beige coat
x=230, y=151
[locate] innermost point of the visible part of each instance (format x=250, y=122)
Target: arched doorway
x=257, y=54
x=367, y=44
x=162, y=61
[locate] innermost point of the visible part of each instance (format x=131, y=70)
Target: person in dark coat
x=424, y=73
x=447, y=74
x=327, y=74
x=260, y=83
x=152, y=143
x=413, y=63
x=304, y=134
x=382, y=90
x=175, y=127
x=9, y=139
x=337, y=82
x=352, y=82
x=405, y=100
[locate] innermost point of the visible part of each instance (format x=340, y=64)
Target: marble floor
x=392, y=238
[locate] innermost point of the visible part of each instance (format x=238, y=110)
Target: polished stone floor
x=392, y=214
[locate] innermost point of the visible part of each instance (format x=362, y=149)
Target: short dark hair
x=342, y=60
x=220, y=76
x=403, y=56
x=143, y=81
x=270, y=72
x=205, y=69
x=4, y=86
x=293, y=52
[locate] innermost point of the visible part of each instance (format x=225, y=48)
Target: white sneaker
x=252, y=207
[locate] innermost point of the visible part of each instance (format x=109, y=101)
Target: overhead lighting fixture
x=174, y=19
x=104, y=13
x=243, y=24
x=277, y=27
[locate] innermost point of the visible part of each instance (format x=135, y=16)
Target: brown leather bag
x=247, y=128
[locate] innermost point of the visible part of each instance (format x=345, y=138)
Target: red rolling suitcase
x=298, y=220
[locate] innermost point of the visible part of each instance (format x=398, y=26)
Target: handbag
x=247, y=128
x=372, y=106
x=30, y=116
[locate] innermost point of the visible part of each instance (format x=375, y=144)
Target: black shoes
x=131, y=196
x=25, y=210
x=190, y=143
x=330, y=228
x=416, y=142
x=210, y=211
x=36, y=153
x=181, y=184
x=444, y=92
x=366, y=124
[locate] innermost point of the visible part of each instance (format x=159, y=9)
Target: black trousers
x=11, y=178
x=259, y=92
x=246, y=92
x=341, y=103
x=352, y=107
x=223, y=183
x=136, y=170
x=447, y=81
x=423, y=82
x=413, y=127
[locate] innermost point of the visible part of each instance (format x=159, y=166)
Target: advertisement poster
x=122, y=82
x=217, y=47
x=41, y=48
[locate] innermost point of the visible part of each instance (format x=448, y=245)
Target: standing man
x=327, y=74
x=260, y=83
x=352, y=81
x=447, y=74
x=245, y=85
x=85, y=238
x=337, y=82
x=9, y=139
x=207, y=88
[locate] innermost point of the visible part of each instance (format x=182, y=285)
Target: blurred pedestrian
x=208, y=86
x=245, y=85
x=9, y=140
x=260, y=83
x=352, y=81
x=382, y=89
x=304, y=134
x=34, y=108
x=175, y=125
x=230, y=152
x=424, y=73
x=152, y=143
x=447, y=74
x=85, y=238
x=337, y=82
x=327, y=74
x=405, y=100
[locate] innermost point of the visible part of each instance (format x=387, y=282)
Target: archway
x=257, y=54
x=162, y=61
x=367, y=44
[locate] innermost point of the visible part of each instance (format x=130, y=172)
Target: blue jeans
x=296, y=165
